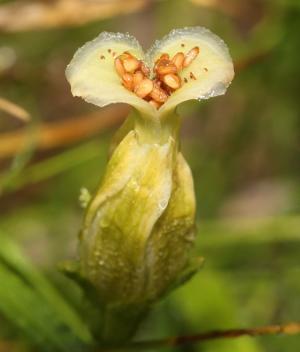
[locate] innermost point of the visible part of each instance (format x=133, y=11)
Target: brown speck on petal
x=102, y=57
x=205, y=69
x=185, y=80
x=192, y=76
x=182, y=45
x=109, y=50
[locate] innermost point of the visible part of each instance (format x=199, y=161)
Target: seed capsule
x=119, y=67
x=191, y=56
x=172, y=81
x=158, y=94
x=144, y=88
x=178, y=60
x=127, y=80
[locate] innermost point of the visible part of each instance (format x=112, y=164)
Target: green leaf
x=18, y=272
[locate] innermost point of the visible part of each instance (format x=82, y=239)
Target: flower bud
x=139, y=227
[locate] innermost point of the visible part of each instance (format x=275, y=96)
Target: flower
x=139, y=227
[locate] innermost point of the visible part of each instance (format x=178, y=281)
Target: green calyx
x=139, y=227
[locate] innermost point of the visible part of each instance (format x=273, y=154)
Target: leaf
x=17, y=271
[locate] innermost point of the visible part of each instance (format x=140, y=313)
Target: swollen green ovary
x=136, y=241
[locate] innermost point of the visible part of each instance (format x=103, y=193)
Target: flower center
x=135, y=75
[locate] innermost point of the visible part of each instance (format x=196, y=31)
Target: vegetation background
x=243, y=149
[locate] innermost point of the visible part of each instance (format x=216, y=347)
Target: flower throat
x=135, y=75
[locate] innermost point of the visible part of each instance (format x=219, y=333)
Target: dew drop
x=163, y=204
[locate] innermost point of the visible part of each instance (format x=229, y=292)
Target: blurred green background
x=243, y=149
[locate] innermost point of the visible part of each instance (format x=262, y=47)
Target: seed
x=144, y=88
x=145, y=69
x=158, y=94
x=178, y=60
x=119, y=67
x=172, y=81
x=191, y=56
x=131, y=64
x=137, y=78
x=165, y=67
x=155, y=104
x=127, y=80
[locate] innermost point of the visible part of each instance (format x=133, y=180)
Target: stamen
x=191, y=56
x=131, y=64
x=178, y=61
x=137, y=78
x=135, y=75
x=158, y=94
x=155, y=104
x=165, y=67
x=144, y=88
x=127, y=80
x=172, y=81
x=119, y=67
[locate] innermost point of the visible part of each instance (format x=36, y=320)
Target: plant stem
x=284, y=329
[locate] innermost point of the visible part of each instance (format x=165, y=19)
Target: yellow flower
x=139, y=227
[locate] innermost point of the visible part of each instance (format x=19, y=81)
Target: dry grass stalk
x=63, y=133
x=14, y=110
x=29, y=15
